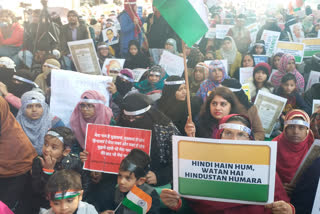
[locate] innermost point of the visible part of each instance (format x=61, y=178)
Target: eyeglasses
x=86, y=106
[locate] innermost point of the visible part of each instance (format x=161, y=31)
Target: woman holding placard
x=232, y=127
x=293, y=144
x=247, y=61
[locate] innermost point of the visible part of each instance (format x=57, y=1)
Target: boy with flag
x=133, y=195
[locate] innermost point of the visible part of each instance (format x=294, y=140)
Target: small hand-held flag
x=137, y=200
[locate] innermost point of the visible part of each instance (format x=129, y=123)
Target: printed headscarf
x=35, y=129
x=103, y=115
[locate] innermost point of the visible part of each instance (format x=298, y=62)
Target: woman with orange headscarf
x=293, y=144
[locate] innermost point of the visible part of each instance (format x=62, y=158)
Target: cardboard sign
x=222, y=170
x=171, y=63
x=253, y=29
x=295, y=49
x=67, y=88
x=156, y=55
x=270, y=38
x=260, y=58
x=313, y=153
x=312, y=46
x=110, y=35
x=138, y=73
x=314, y=78
x=112, y=67
x=109, y=145
x=84, y=56
x=269, y=107
x=211, y=34
x=246, y=89
x=245, y=74
x=315, y=106
x=297, y=32
x=222, y=30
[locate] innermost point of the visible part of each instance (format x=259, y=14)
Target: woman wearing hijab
x=235, y=86
x=138, y=113
x=47, y=66
x=293, y=144
x=130, y=26
x=35, y=119
x=135, y=58
x=217, y=73
x=16, y=155
x=198, y=75
x=173, y=102
x=315, y=124
x=233, y=127
x=90, y=109
x=230, y=52
x=155, y=80
x=171, y=46
x=103, y=52
x=287, y=65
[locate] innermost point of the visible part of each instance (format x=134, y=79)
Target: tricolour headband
x=260, y=44
x=55, y=134
x=68, y=194
x=93, y=101
x=180, y=82
x=297, y=122
x=25, y=80
x=235, y=126
x=125, y=77
x=235, y=89
x=138, y=112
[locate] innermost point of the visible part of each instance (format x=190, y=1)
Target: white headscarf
x=230, y=56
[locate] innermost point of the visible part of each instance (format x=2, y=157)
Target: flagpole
x=186, y=77
x=117, y=207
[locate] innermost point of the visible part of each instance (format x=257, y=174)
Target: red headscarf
x=129, y=8
x=103, y=115
x=213, y=207
x=291, y=154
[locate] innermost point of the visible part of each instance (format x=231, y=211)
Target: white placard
x=253, y=29
x=270, y=38
x=112, y=67
x=272, y=72
x=67, y=88
x=297, y=32
x=84, y=56
x=318, y=33
x=314, y=78
x=315, y=106
x=110, y=35
x=171, y=63
x=222, y=30
x=293, y=48
x=137, y=73
x=211, y=34
x=245, y=74
x=270, y=107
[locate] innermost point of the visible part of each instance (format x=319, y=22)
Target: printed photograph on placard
x=110, y=35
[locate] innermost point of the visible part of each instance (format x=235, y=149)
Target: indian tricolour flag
x=188, y=18
x=137, y=200
x=224, y=171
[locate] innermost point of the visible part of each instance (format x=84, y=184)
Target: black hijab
x=136, y=61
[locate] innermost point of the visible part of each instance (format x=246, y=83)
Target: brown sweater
x=16, y=151
x=256, y=124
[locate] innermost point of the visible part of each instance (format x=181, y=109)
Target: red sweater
x=16, y=38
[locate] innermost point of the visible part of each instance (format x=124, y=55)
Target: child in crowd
x=258, y=48
x=56, y=156
x=288, y=90
x=133, y=172
x=64, y=191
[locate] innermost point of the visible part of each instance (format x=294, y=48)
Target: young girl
x=259, y=80
x=258, y=48
x=135, y=58
x=103, y=51
x=56, y=156
x=217, y=73
x=288, y=90
x=276, y=60
x=35, y=119
x=288, y=65
x=230, y=52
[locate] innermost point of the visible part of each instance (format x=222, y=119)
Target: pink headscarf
x=103, y=115
x=277, y=76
